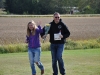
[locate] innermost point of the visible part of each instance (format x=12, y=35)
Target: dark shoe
x=55, y=74
x=42, y=72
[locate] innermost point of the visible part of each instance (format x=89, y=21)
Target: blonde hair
x=29, y=32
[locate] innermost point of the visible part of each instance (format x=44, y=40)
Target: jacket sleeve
x=66, y=32
x=39, y=29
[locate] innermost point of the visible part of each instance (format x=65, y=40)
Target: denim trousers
x=56, y=52
x=34, y=57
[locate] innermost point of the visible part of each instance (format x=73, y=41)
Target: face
x=57, y=18
x=31, y=26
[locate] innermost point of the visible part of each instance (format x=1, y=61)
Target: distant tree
x=35, y=6
x=89, y=6
x=1, y=4
x=18, y=6
x=50, y=6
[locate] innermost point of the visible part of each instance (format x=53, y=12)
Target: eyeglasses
x=57, y=17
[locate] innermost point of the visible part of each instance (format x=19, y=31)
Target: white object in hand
x=57, y=36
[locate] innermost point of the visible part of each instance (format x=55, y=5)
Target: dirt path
x=13, y=29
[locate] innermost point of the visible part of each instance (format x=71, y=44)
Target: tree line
x=50, y=6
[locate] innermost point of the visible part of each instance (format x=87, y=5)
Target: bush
x=45, y=46
x=70, y=45
x=82, y=44
x=73, y=45
x=12, y=48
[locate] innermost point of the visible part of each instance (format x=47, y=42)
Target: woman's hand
x=61, y=36
x=44, y=36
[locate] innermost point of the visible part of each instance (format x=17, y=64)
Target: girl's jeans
x=34, y=57
x=56, y=52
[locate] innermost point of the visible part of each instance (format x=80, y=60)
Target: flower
x=47, y=24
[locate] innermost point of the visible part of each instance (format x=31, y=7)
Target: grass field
x=77, y=62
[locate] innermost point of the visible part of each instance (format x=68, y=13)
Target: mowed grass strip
x=77, y=62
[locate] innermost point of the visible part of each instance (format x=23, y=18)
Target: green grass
x=77, y=62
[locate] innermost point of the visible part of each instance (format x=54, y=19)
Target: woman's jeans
x=34, y=57
x=56, y=52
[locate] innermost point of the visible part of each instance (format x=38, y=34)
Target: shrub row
x=69, y=45
x=62, y=15
x=12, y=48
x=82, y=44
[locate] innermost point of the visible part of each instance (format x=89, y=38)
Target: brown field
x=13, y=29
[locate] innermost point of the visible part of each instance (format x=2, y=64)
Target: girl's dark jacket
x=56, y=28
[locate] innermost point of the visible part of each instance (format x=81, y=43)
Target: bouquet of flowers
x=47, y=27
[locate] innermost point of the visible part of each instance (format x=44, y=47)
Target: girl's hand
x=38, y=23
x=26, y=41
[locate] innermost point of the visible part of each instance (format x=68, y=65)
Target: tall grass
x=12, y=48
x=81, y=44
